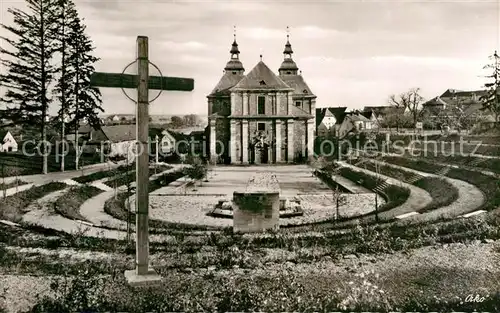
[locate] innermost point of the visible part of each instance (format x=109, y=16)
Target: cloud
x=313, y=32
x=184, y=46
x=261, y=33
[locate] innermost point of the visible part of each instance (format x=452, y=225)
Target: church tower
x=219, y=102
x=234, y=66
x=288, y=66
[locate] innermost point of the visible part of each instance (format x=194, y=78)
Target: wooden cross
x=143, y=83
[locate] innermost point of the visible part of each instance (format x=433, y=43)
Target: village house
x=354, y=122
x=118, y=139
x=7, y=142
x=328, y=120
x=261, y=117
x=458, y=104
x=167, y=143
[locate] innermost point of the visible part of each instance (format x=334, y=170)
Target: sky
x=351, y=53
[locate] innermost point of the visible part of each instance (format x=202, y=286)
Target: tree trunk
x=43, y=91
x=77, y=122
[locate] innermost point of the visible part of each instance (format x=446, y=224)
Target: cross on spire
x=287, y=32
x=234, y=32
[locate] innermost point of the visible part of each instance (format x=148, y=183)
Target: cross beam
x=115, y=80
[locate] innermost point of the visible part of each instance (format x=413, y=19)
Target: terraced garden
x=349, y=265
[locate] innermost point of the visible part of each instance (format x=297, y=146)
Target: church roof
x=261, y=77
x=227, y=81
x=298, y=112
x=298, y=84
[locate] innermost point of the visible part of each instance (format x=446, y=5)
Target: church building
x=261, y=117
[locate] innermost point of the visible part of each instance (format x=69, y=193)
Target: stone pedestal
x=151, y=279
x=257, y=209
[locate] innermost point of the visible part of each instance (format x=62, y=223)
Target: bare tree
x=410, y=101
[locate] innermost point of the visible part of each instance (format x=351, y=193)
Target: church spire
x=234, y=65
x=288, y=67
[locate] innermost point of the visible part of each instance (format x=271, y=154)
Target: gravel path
x=43, y=215
x=469, y=197
x=93, y=211
x=417, y=200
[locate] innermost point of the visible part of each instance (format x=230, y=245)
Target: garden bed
x=68, y=205
x=131, y=176
x=101, y=175
x=442, y=192
x=394, y=195
x=13, y=207
x=490, y=186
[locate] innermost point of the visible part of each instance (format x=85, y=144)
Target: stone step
x=473, y=213
x=406, y=215
x=443, y=171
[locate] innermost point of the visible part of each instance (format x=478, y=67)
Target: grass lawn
x=13, y=207
x=17, y=164
x=68, y=205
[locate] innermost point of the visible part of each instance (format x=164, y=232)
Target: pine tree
x=78, y=100
x=65, y=86
x=87, y=102
x=30, y=72
x=491, y=100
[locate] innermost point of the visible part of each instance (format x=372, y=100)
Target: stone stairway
x=443, y=171
x=413, y=179
x=380, y=187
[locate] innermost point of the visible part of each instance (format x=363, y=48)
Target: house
x=120, y=139
x=380, y=113
x=328, y=120
x=7, y=142
x=262, y=117
x=84, y=133
x=167, y=143
x=457, y=104
x=354, y=122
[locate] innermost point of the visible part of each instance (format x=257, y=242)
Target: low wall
x=257, y=209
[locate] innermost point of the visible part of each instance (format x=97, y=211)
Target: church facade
x=261, y=117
